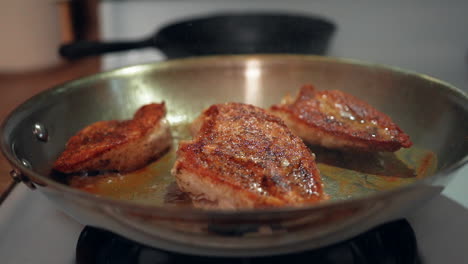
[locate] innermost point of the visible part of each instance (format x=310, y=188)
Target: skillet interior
x=435, y=118
x=431, y=112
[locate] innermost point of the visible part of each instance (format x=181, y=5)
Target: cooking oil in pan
x=152, y=184
x=345, y=175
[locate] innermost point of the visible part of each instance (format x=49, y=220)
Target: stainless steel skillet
x=432, y=112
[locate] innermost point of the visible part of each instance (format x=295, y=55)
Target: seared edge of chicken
x=118, y=145
x=338, y=120
x=243, y=157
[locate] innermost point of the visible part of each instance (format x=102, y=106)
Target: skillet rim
x=188, y=212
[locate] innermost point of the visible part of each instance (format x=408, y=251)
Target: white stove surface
x=423, y=36
x=34, y=231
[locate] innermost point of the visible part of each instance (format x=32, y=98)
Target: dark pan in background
x=224, y=34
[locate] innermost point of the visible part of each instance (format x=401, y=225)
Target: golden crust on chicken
x=118, y=145
x=334, y=119
x=243, y=157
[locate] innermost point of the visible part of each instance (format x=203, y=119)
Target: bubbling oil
x=345, y=175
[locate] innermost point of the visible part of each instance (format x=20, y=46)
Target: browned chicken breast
x=243, y=157
x=118, y=145
x=334, y=119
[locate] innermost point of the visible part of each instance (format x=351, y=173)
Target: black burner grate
x=392, y=243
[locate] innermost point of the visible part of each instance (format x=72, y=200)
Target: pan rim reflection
x=253, y=72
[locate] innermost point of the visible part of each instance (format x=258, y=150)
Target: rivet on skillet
x=26, y=163
x=40, y=132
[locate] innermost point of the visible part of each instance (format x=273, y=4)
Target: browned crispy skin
x=335, y=119
x=243, y=157
x=118, y=145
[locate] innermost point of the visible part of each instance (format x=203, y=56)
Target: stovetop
x=391, y=243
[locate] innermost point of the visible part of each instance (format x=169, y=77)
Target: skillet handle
x=18, y=177
x=82, y=49
x=7, y=191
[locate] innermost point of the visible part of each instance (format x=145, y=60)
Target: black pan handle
x=92, y=48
